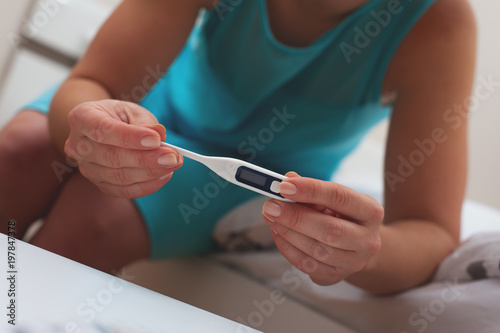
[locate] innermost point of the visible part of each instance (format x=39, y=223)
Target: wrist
x=368, y=277
x=366, y=272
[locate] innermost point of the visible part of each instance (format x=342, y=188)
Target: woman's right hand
x=117, y=147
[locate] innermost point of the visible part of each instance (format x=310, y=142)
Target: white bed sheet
x=440, y=306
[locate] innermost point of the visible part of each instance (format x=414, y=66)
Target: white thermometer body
x=239, y=172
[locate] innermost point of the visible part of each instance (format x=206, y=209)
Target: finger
x=327, y=229
x=162, y=131
x=319, y=251
x=319, y=272
x=80, y=148
x=291, y=174
x=116, y=157
x=336, y=197
x=122, y=176
x=134, y=191
x=100, y=127
x=83, y=148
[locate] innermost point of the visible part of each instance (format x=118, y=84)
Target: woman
x=286, y=84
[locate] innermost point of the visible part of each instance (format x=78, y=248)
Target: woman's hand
x=330, y=233
x=117, y=147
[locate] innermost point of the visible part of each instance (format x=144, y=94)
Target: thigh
x=92, y=228
x=31, y=169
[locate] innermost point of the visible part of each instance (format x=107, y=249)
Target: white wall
x=484, y=159
x=11, y=16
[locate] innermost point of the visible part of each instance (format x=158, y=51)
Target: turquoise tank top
x=235, y=90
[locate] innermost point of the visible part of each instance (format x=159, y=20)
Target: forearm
x=411, y=251
x=71, y=93
x=138, y=38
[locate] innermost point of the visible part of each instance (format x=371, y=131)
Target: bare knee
x=28, y=181
x=24, y=141
x=84, y=238
x=105, y=243
x=90, y=227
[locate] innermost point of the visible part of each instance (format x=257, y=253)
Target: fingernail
x=165, y=177
x=160, y=125
x=168, y=160
x=163, y=131
x=272, y=209
x=274, y=232
x=150, y=141
x=287, y=188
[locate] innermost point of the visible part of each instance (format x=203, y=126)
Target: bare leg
x=28, y=181
x=92, y=228
x=81, y=223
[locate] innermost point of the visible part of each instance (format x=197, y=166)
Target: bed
x=239, y=285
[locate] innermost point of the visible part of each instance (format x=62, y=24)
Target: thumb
x=137, y=115
x=160, y=129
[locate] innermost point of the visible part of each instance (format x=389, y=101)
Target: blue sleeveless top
x=235, y=90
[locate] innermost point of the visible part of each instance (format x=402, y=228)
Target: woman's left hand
x=330, y=233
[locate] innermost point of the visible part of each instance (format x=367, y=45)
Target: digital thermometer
x=239, y=172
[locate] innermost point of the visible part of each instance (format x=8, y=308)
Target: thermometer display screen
x=252, y=177
x=258, y=180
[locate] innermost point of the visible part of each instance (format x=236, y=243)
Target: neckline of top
x=320, y=42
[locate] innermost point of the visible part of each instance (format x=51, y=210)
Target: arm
x=423, y=207
x=433, y=72
x=140, y=36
